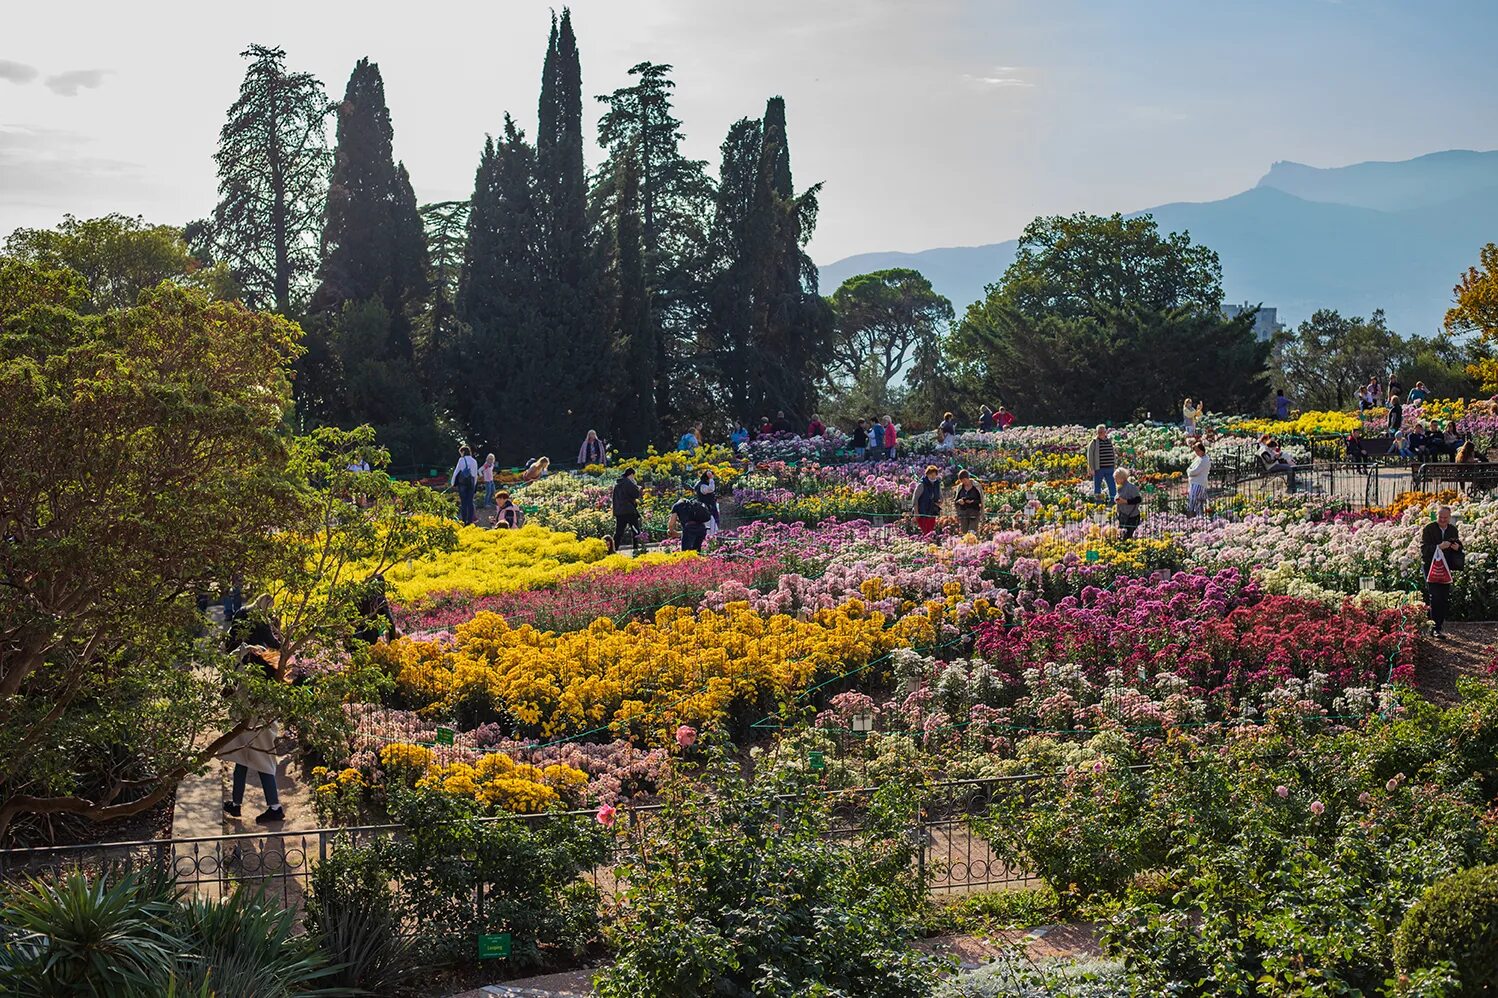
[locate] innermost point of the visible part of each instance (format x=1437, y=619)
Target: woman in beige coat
x=255, y=748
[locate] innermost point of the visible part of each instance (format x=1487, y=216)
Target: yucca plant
x=248, y=945
x=89, y=935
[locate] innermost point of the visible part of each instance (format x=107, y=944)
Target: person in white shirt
x=1196, y=475
x=465, y=478
x=486, y=478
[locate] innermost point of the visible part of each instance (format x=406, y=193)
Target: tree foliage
x=1106, y=319
x=1476, y=311
x=889, y=326
x=674, y=202
x=769, y=331
x=272, y=180
x=117, y=257
x=140, y=454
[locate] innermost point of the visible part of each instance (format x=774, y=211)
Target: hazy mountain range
x=1355, y=238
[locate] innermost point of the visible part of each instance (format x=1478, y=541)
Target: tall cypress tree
x=505, y=390
x=373, y=282
x=772, y=329
x=635, y=420
x=574, y=351
x=793, y=323
x=729, y=344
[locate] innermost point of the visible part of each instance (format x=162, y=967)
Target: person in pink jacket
x=889, y=437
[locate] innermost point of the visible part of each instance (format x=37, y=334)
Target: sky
x=930, y=122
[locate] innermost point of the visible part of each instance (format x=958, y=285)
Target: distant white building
x=1266, y=323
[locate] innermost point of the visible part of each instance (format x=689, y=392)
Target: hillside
x=1374, y=235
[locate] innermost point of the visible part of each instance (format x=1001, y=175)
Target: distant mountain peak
x=1390, y=235
x=1389, y=186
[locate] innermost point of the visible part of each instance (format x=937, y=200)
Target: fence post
x=920, y=839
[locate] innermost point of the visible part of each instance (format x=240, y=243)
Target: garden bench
x=1479, y=476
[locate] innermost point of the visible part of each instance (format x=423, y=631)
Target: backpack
x=464, y=478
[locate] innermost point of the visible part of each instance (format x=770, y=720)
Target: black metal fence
x=956, y=860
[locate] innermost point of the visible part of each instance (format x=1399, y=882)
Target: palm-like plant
x=89, y=935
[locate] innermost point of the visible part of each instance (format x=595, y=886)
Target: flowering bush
x=603, y=590
x=641, y=680
x=499, y=782
x=497, y=561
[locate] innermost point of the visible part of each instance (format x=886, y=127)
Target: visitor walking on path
x=689, y=518
x=255, y=637
x=1197, y=474
x=1396, y=414
x=1441, y=554
x=1101, y=460
x=1419, y=393
x=889, y=437
x=626, y=501
x=1128, y=502
x=968, y=501
x=593, y=451
x=1002, y=419
x=707, y=494
x=876, y=437
x=927, y=500
x=1281, y=406
x=985, y=419
x=486, y=478
x=465, y=478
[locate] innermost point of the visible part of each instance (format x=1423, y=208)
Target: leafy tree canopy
x=117, y=257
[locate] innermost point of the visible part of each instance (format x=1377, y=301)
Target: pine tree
x=272, y=178
x=675, y=202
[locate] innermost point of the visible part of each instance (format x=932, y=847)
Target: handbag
x=1439, y=572
x=1456, y=560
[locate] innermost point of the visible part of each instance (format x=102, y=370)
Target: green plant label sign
x=816, y=761
x=444, y=736
x=494, y=946
x=1092, y=555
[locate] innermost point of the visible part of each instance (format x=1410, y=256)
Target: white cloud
x=999, y=81
x=69, y=83
x=17, y=72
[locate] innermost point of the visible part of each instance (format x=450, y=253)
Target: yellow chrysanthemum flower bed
x=498, y=781
x=645, y=678
x=487, y=562
x=675, y=464
x=1140, y=555
x=1307, y=424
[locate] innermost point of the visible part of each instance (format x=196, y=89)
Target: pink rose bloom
x=1282, y=790
x=686, y=736
x=1392, y=785
x=1317, y=807
x=606, y=814
x=1097, y=767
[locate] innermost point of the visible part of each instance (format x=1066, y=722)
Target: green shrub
x=745, y=891
x=135, y=935
x=353, y=915
x=1456, y=922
